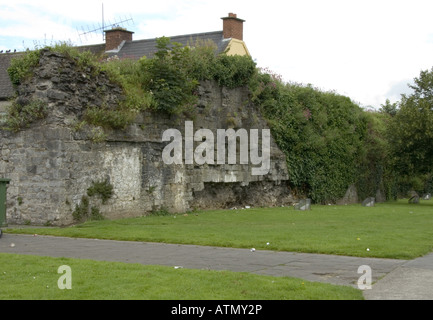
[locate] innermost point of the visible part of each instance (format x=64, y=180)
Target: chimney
x=233, y=27
x=115, y=36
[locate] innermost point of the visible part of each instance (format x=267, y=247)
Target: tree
x=410, y=131
x=389, y=108
x=168, y=78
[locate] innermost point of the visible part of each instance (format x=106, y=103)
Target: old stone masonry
x=53, y=163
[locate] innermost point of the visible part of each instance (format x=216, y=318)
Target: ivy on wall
x=321, y=133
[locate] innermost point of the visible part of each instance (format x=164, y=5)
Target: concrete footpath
x=392, y=279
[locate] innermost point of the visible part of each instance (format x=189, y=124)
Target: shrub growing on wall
x=22, y=67
x=174, y=73
x=167, y=77
x=321, y=134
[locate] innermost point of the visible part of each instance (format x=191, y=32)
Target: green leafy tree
x=389, y=108
x=410, y=131
x=167, y=76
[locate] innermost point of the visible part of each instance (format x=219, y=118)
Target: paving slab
x=413, y=280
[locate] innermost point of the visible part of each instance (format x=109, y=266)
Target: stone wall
x=51, y=164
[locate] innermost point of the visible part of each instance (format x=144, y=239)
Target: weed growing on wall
x=22, y=67
x=103, y=189
x=21, y=114
x=84, y=211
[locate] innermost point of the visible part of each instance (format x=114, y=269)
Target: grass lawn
x=388, y=230
x=36, y=278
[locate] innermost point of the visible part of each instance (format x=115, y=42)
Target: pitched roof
x=95, y=49
x=140, y=48
x=147, y=47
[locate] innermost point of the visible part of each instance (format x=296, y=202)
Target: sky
x=366, y=50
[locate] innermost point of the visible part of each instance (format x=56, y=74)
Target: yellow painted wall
x=237, y=47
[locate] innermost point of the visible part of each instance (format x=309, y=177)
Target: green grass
x=35, y=278
x=389, y=230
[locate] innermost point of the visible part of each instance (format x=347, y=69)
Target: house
x=119, y=42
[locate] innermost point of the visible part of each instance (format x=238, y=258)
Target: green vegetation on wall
x=21, y=68
x=21, y=114
x=321, y=133
x=83, y=211
x=173, y=75
x=329, y=141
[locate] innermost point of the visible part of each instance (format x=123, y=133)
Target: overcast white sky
x=367, y=50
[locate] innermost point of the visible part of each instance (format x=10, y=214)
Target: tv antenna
x=95, y=29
